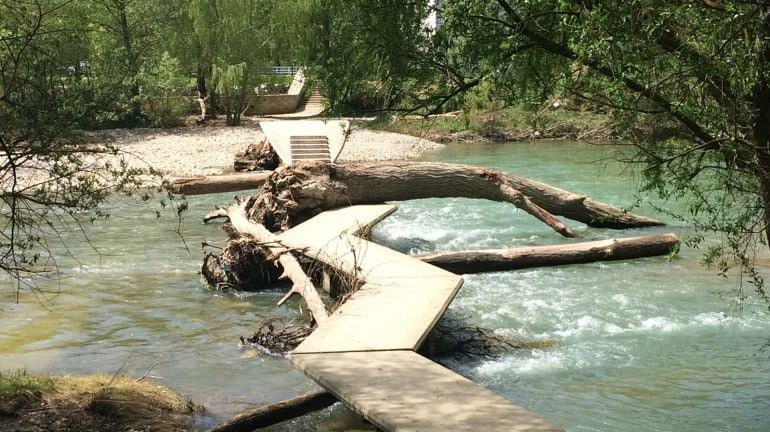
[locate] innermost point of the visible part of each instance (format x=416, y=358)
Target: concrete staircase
x=313, y=106
x=309, y=148
x=316, y=98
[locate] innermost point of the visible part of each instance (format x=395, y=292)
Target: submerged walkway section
x=365, y=353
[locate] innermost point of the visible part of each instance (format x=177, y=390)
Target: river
x=651, y=344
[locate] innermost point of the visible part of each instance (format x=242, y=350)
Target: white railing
x=285, y=70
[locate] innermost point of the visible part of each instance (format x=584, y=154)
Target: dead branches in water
x=279, y=335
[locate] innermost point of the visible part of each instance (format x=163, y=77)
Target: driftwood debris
x=301, y=283
x=481, y=261
x=258, y=156
x=278, y=412
x=295, y=193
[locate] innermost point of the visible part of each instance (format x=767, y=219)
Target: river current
x=654, y=344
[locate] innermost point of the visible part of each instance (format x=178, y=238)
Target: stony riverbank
x=189, y=151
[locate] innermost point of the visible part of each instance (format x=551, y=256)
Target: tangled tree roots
x=242, y=265
x=257, y=156
x=278, y=335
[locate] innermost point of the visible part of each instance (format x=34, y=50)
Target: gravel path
x=192, y=151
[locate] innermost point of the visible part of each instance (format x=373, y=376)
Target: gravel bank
x=193, y=151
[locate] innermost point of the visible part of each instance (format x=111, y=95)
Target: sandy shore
x=192, y=151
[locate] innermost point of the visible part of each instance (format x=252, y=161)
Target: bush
x=163, y=85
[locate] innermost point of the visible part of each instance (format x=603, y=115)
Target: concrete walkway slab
x=403, y=391
x=328, y=225
x=364, y=352
x=398, y=316
x=279, y=133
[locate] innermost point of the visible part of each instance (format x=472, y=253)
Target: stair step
x=311, y=153
x=308, y=137
x=309, y=144
x=309, y=149
x=320, y=158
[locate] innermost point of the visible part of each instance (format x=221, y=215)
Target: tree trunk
x=220, y=183
x=278, y=412
x=200, y=87
x=541, y=256
x=131, y=59
x=301, y=283
x=296, y=193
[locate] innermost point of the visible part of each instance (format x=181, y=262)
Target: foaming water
x=643, y=345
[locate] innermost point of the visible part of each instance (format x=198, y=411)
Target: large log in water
x=579, y=253
x=220, y=183
x=278, y=412
x=296, y=193
x=301, y=283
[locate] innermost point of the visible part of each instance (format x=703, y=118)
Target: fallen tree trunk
x=269, y=415
x=296, y=193
x=220, y=183
x=301, y=283
x=518, y=258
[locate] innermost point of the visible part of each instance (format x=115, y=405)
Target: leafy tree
x=49, y=182
x=121, y=36
x=363, y=51
x=233, y=42
x=702, y=66
x=162, y=86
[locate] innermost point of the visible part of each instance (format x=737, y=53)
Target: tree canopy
x=699, y=68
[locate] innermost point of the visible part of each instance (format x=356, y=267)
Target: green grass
x=13, y=384
x=502, y=123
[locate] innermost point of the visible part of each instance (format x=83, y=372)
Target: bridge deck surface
x=403, y=391
x=364, y=353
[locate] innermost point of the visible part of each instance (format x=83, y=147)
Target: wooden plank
x=403, y=391
x=371, y=262
x=396, y=308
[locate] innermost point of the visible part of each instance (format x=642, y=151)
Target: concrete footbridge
x=366, y=352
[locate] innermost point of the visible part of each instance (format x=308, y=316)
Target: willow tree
x=49, y=181
x=698, y=67
x=233, y=42
x=368, y=50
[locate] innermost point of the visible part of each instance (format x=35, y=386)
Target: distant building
x=435, y=18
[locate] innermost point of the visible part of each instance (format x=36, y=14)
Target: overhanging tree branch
x=520, y=26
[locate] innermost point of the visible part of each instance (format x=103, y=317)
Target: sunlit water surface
x=644, y=345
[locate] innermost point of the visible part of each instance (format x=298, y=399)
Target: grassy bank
x=32, y=403
x=503, y=124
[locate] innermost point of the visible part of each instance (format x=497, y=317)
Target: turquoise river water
x=644, y=345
